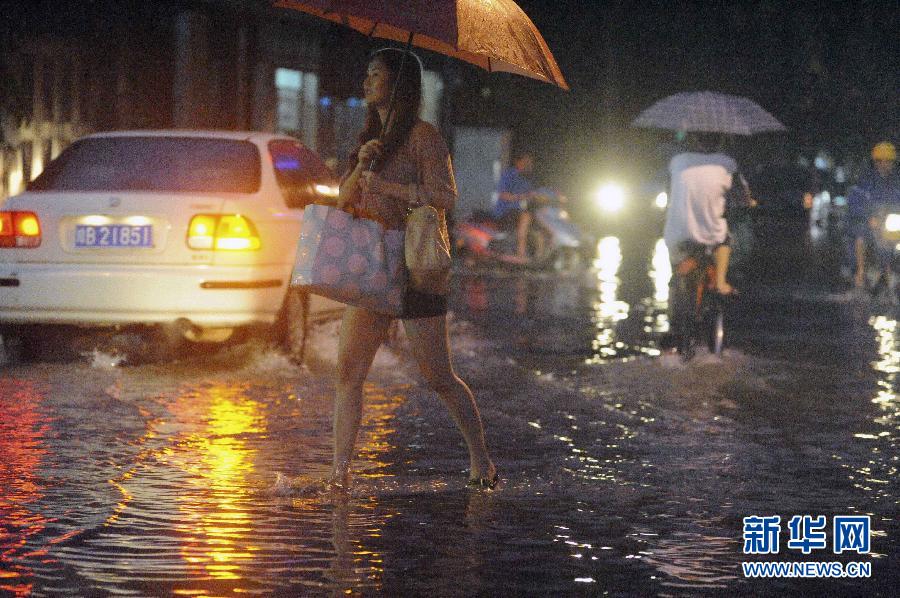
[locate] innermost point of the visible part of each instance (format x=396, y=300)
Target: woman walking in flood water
x=407, y=165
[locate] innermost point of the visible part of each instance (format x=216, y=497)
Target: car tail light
x=20, y=229
x=230, y=232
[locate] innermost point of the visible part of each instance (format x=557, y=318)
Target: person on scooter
x=877, y=189
x=700, y=181
x=514, y=190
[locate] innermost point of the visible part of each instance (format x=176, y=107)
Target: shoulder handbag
x=427, y=251
x=349, y=259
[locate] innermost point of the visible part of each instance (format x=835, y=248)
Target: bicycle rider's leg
x=859, y=251
x=682, y=288
x=866, y=249
x=541, y=243
x=721, y=255
x=884, y=253
x=859, y=261
x=522, y=226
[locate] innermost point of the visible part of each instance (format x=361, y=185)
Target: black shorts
x=423, y=305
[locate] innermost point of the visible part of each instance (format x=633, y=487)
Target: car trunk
x=112, y=227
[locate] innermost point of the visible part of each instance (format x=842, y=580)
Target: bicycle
x=697, y=310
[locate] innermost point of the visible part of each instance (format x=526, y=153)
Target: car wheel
x=294, y=324
x=158, y=344
x=13, y=349
x=18, y=347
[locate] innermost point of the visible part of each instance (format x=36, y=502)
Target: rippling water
x=623, y=473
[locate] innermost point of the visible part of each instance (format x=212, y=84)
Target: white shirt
x=697, y=199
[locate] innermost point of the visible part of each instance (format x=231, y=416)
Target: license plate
x=114, y=235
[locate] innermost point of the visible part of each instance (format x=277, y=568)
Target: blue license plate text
x=114, y=235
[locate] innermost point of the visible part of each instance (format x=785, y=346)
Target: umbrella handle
x=390, y=111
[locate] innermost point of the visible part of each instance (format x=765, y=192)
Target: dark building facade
x=74, y=67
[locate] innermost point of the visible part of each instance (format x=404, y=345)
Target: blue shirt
x=872, y=192
x=511, y=181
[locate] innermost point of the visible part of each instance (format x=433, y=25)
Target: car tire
x=13, y=349
x=293, y=325
x=158, y=344
x=19, y=347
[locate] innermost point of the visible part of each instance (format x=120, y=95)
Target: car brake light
x=231, y=232
x=20, y=229
x=236, y=232
x=202, y=232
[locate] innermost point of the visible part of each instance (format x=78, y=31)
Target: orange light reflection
x=22, y=431
x=215, y=516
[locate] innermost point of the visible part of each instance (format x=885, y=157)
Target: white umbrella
x=708, y=112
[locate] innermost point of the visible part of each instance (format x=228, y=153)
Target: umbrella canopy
x=708, y=112
x=495, y=35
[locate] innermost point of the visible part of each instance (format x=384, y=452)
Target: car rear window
x=174, y=164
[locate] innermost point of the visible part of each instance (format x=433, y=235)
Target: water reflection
x=877, y=476
x=475, y=293
x=215, y=451
x=22, y=450
x=377, y=430
x=192, y=509
x=607, y=309
x=660, y=273
x=690, y=559
x=354, y=566
x=656, y=318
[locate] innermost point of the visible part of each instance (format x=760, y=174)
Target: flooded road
x=624, y=473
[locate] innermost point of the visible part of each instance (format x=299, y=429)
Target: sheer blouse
x=423, y=165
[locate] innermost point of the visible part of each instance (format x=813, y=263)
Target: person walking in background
x=700, y=182
x=877, y=189
x=405, y=166
x=514, y=190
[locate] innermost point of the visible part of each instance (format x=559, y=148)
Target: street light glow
x=610, y=197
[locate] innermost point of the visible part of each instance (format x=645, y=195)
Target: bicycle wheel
x=715, y=327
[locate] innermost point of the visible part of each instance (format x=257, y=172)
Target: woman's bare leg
x=430, y=344
x=362, y=332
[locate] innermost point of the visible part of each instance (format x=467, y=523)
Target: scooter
x=885, y=254
x=480, y=239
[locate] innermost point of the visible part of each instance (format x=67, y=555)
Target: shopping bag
x=349, y=259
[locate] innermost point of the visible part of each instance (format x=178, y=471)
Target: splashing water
x=104, y=361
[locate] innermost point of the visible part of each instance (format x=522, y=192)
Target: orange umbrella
x=492, y=34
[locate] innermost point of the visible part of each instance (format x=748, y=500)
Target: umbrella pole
x=390, y=111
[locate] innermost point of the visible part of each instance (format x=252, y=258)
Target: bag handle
x=410, y=206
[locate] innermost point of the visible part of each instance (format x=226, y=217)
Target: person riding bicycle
x=876, y=190
x=695, y=216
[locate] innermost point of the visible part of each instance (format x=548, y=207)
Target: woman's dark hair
x=407, y=102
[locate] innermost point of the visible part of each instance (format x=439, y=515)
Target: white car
x=191, y=232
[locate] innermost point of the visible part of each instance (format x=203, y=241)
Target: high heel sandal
x=488, y=483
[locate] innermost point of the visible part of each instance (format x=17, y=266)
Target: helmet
x=884, y=151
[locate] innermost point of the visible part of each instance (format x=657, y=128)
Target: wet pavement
x=624, y=473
